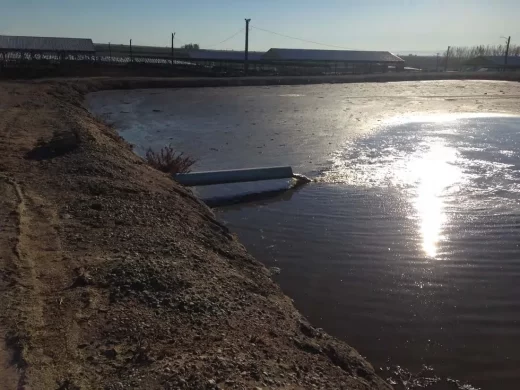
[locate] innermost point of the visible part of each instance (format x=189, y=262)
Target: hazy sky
x=396, y=25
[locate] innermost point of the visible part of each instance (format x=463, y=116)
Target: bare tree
x=191, y=46
x=460, y=54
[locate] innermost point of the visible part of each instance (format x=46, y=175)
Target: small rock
x=275, y=270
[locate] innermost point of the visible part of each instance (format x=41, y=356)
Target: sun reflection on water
x=433, y=172
x=421, y=163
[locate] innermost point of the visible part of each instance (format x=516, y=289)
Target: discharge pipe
x=237, y=176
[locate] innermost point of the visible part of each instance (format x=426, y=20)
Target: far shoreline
x=122, y=83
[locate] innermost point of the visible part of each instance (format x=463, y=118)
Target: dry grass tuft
x=168, y=161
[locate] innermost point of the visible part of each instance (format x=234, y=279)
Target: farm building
x=224, y=55
x=226, y=62
x=119, y=53
x=273, y=62
x=335, y=61
x=494, y=62
x=15, y=48
x=60, y=56
x=45, y=56
x=163, y=55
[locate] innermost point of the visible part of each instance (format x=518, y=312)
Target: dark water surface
x=413, y=253
x=406, y=246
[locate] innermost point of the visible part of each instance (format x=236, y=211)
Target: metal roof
x=492, y=61
x=330, y=55
x=224, y=55
x=45, y=44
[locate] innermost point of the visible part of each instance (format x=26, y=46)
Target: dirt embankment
x=105, y=83
x=114, y=277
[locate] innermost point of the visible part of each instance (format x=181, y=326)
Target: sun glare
x=434, y=172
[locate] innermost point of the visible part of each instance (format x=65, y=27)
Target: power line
x=299, y=39
x=179, y=40
x=227, y=39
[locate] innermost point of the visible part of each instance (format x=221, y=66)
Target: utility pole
x=507, y=51
x=246, y=59
x=173, y=52
x=131, y=54
x=437, y=68
x=447, y=57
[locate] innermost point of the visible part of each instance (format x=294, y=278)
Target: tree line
x=459, y=55
x=481, y=50
x=191, y=46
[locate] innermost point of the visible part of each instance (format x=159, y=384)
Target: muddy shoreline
x=112, y=276
x=111, y=83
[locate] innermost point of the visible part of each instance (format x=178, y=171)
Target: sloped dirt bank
x=112, y=276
